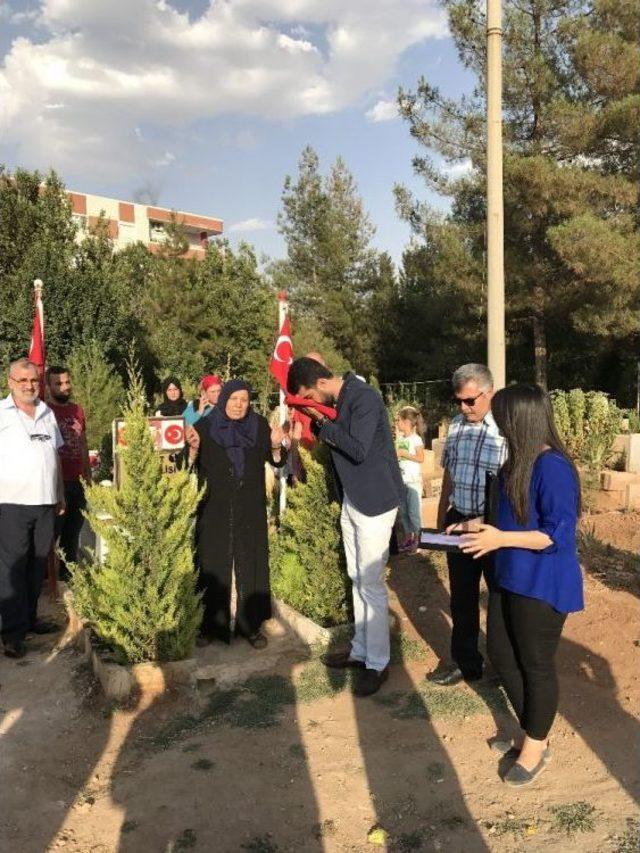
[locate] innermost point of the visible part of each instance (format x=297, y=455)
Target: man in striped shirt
x=473, y=447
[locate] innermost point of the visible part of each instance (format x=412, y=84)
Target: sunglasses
x=467, y=401
x=40, y=436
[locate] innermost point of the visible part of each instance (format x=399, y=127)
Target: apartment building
x=129, y=222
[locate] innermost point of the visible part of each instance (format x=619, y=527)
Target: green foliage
x=98, y=388
x=204, y=316
x=308, y=568
x=571, y=818
x=587, y=423
x=142, y=600
x=629, y=841
x=572, y=243
x=332, y=272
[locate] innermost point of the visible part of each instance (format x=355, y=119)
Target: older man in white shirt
x=31, y=492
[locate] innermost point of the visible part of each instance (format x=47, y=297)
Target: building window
x=157, y=233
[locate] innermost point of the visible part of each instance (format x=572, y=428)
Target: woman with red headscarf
x=210, y=388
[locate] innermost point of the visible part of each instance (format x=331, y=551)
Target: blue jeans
x=411, y=508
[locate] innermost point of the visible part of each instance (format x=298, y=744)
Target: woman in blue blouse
x=537, y=569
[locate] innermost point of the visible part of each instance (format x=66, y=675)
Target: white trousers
x=366, y=545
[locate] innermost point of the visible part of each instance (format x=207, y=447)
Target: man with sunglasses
x=473, y=447
x=31, y=492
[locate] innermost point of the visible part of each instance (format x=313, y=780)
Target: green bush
x=587, y=423
x=142, y=600
x=98, y=388
x=308, y=569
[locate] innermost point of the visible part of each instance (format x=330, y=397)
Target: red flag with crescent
x=282, y=355
x=36, y=348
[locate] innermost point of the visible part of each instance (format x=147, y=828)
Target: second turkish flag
x=282, y=355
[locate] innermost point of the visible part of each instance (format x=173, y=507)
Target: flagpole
x=38, y=346
x=283, y=310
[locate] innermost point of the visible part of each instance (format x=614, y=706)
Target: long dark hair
x=524, y=416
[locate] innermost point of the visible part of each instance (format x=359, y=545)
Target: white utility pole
x=496, y=357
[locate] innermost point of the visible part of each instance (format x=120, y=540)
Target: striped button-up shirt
x=472, y=449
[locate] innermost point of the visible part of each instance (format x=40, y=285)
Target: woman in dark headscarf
x=233, y=443
x=173, y=402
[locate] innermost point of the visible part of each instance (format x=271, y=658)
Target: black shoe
x=446, y=677
x=369, y=681
x=16, y=649
x=258, y=640
x=341, y=660
x=42, y=626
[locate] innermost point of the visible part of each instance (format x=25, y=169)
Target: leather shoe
x=258, y=640
x=42, y=626
x=341, y=660
x=369, y=681
x=16, y=649
x=446, y=677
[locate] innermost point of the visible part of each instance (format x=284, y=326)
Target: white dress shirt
x=28, y=455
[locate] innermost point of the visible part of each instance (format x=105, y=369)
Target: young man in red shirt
x=74, y=456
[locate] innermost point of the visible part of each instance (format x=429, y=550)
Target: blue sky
x=209, y=104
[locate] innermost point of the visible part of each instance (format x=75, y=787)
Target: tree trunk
x=540, y=349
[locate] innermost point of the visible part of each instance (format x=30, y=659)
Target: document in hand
x=431, y=540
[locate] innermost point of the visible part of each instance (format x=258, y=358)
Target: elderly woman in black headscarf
x=233, y=443
x=173, y=402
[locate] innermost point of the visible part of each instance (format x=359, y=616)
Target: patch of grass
x=263, y=700
x=405, y=648
x=516, y=826
x=435, y=771
x=316, y=681
x=187, y=840
x=175, y=729
x=431, y=702
x=409, y=841
x=326, y=829
x=618, y=568
x=297, y=750
x=571, y=818
x=453, y=822
x=391, y=699
x=261, y=844
x=203, y=764
x=629, y=841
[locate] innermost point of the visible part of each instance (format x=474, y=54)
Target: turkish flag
x=37, y=353
x=282, y=355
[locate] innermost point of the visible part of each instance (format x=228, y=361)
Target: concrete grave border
x=119, y=681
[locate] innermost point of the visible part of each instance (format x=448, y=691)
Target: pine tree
x=571, y=126
x=308, y=569
x=98, y=388
x=142, y=600
x=331, y=270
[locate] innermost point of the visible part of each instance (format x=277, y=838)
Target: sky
x=206, y=105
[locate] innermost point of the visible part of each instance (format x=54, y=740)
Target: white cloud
x=459, y=169
x=18, y=17
x=253, y=224
x=382, y=111
x=114, y=68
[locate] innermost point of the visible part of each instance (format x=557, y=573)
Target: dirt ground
x=291, y=761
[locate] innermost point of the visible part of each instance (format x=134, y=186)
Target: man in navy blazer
x=366, y=463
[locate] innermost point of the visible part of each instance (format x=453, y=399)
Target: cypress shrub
x=308, y=569
x=142, y=601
